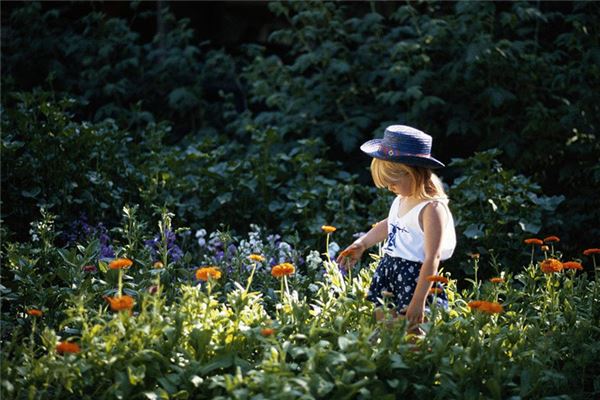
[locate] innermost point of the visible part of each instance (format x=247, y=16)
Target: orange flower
x=551, y=239
x=435, y=290
x=328, y=228
x=284, y=269
x=587, y=252
x=544, y=248
x=475, y=304
x=158, y=265
x=572, y=265
x=34, y=313
x=491, y=307
x=551, y=265
x=437, y=278
x=267, y=331
x=120, y=263
x=474, y=256
x=67, y=347
x=497, y=280
x=256, y=257
x=533, y=241
x=120, y=303
x=487, y=307
x=205, y=273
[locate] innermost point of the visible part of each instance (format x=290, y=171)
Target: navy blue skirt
x=399, y=277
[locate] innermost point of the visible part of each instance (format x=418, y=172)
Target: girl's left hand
x=415, y=314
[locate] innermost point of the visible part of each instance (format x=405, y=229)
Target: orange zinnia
x=281, y=270
x=533, y=241
x=572, y=265
x=34, y=313
x=205, y=273
x=267, y=331
x=475, y=304
x=120, y=303
x=120, y=263
x=497, y=280
x=67, y=347
x=435, y=290
x=437, y=278
x=256, y=257
x=328, y=228
x=552, y=239
x=551, y=265
x=487, y=307
x=587, y=252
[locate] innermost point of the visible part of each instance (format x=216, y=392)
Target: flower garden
x=178, y=179
x=254, y=318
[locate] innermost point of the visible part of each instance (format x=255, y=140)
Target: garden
x=178, y=180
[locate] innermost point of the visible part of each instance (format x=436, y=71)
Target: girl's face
x=402, y=186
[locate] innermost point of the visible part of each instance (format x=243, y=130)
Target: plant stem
x=250, y=277
x=120, y=290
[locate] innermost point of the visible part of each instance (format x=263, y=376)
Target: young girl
x=419, y=228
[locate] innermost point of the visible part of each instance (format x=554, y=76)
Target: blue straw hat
x=403, y=144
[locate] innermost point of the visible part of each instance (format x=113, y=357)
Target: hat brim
x=373, y=149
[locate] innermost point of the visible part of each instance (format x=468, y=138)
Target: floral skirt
x=394, y=283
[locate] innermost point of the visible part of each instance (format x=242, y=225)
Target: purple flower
x=80, y=231
x=173, y=251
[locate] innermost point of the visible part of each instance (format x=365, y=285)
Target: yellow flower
x=328, y=228
x=34, y=313
x=551, y=265
x=158, y=265
x=120, y=263
x=256, y=257
x=67, y=347
x=281, y=270
x=205, y=273
x=120, y=303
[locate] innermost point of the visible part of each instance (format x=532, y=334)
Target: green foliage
x=495, y=209
x=210, y=341
x=103, y=64
x=476, y=75
x=51, y=161
x=72, y=168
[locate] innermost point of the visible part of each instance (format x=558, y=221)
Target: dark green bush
x=520, y=77
x=495, y=209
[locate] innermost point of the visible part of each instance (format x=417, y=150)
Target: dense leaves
x=246, y=333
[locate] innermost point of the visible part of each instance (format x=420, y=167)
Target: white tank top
x=406, y=239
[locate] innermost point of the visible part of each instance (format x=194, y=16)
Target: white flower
x=201, y=233
x=333, y=249
x=313, y=288
x=313, y=260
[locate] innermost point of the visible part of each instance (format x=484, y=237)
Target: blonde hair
x=425, y=184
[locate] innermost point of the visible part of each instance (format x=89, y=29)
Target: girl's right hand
x=351, y=255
